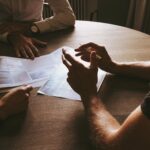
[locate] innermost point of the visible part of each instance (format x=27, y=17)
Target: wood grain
x=51, y=123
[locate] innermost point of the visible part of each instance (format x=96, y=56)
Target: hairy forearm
x=132, y=69
x=101, y=123
x=107, y=134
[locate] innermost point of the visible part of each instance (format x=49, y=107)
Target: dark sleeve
x=145, y=106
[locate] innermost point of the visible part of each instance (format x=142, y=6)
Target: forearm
x=63, y=17
x=58, y=22
x=107, y=134
x=132, y=69
x=101, y=123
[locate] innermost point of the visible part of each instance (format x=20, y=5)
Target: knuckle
x=90, y=43
x=36, y=50
x=21, y=90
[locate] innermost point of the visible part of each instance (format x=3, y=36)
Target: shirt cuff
x=43, y=26
x=3, y=37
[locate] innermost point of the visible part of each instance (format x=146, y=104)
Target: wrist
x=92, y=104
x=88, y=98
x=34, y=29
x=114, y=68
x=87, y=94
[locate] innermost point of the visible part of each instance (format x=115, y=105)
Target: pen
x=89, y=49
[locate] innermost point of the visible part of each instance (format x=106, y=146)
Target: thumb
x=93, y=60
x=28, y=88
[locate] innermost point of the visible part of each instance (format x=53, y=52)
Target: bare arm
x=132, y=69
x=101, y=123
x=106, y=132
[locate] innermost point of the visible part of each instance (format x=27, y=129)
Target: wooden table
x=55, y=124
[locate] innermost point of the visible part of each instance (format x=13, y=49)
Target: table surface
x=52, y=123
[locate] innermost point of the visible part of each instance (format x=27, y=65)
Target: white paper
x=17, y=71
x=57, y=84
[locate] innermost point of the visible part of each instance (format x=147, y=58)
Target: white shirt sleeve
x=63, y=17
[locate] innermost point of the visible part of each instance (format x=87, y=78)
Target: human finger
x=88, y=47
x=70, y=58
x=82, y=47
x=23, y=53
x=91, y=44
x=93, y=60
x=30, y=52
x=34, y=50
x=18, y=54
x=65, y=62
x=68, y=80
x=28, y=88
x=85, y=58
x=79, y=54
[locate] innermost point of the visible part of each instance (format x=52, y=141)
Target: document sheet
x=57, y=84
x=17, y=71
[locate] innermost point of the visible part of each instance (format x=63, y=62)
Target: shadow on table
x=12, y=126
x=122, y=95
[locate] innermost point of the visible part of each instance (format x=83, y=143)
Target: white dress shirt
x=31, y=10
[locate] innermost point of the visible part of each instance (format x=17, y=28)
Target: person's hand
x=14, y=27
x=15, y=101
x=82, y=79
x=25, y=47
x=103, y=59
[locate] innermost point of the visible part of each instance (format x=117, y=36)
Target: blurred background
x=129, y=13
